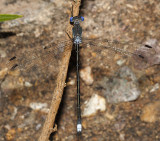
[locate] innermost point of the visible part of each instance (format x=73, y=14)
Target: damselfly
x=40, y=58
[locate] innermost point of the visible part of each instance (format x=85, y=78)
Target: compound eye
x=71, y=19
x=82, y=18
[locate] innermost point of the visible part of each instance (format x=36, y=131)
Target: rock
x=122, y=137
x=39, y=106
x=3, y=72
x=151, y=112
x=86, y=75
x=121, y=62
x=8, y=127
x=14, y=113
x=94, y=104
x=109, y=116
x=121, y=88
x=11, y=83
x=155, y=87
x=28, y=119
x=38, y=126
x=2, y=53
x=10, y=134
x=71, y=82
x=28, y=84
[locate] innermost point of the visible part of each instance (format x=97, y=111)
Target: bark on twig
x=57, y=95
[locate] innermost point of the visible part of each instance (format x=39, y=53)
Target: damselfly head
x=76, y=19
x=82, y=18
x=71, y=19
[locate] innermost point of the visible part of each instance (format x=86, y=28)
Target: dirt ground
x=25, y=97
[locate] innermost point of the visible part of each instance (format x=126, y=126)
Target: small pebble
x=109, y=116
x=8, y=127
x=14, y=113
x=120, y=125
x=122, y=137
x=39, y=106
x=94, y=104
x=86, y=75
x=38, y=32
x=155, y=87
x=2, y=53
x=28, y=84
x=3, y=72
x=38, y=126
x=11, y=83
x=10, y=134
x=71, y=82
x=28, y=119
x=151, y=112
x=121, y=62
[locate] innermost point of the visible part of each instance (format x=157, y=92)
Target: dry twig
x=57, y=95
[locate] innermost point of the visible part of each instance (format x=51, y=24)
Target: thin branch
x=57, y=95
